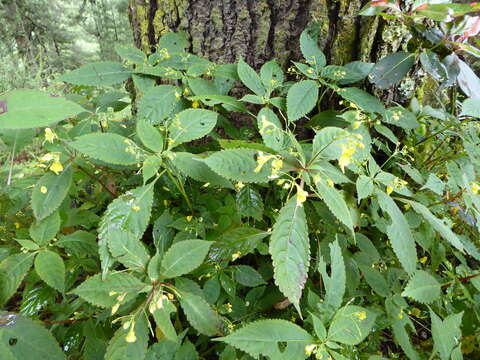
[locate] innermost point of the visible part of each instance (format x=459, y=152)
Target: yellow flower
x=346, y=157
x=389, y=189
x=236, y=255
x=50, y=136
x=330, y=183
x=43, y=189
x=362, y=315
x=423, y=260
x=189, y=218
x=115, y=308
x=356, y=125
x=309, y=349
x=415, y=312
x=239, y=185
x=136, y=208
x=475, y=188
x=262, y=160
x=56, y=167
x=131, y=338
x=195, y=104
x=302, y=196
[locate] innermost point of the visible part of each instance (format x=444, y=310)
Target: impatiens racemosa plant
x=150, y=225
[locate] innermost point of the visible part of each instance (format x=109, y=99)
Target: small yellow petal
x=131, y=338
x=56, y=167
x=389, y=189
x=189, y=218
x=43, y=189
x=136, y=208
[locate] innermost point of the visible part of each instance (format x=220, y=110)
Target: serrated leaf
x=240, y=241
x=103, y=73
x=290, y=251
x=335, y=283
x=422, y=287
x=311, y=52
x=192, y=124
x=239, y=165
x=438, y=225
x=250, y=78
x=301, y=99
x=12, y=271
x=247, y=276
x=193, y=165
x=270, y=129
x=57, y=187
x=109, y=147
x=161, y=313
x=249, y=203
x=391, y=69
x=399, y=233
x=30, y=339
x=403, y=339
x=362, y=99
x=446, y=333
x=80, y=243
x=25, y=109
x=200, y=315
x=120, y=349
x=131, y=54
x=129, y=212
x=351, y=325
x=51, y=269
x=329, y=141
x=45, y=230
x=99, y=292
x=335, y=203
x=271, y=74
x=364, y=186
x=150, y=136
x=263, y=338
x=184, y=257
x=401, y=117
x=125, y=248
x=158, y=103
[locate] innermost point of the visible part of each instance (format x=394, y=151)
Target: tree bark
x=260, y=30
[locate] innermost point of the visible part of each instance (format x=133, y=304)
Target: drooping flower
x=50, y=136
x=56, y=167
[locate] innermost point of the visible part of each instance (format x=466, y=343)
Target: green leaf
x=446, y=333
x=247, y=276
x=120, y=349
x=335, y=283
x=364, y=187
x=150, y=136
x=249, y=203
x=150, y=167
x=311, y=52
x=375, y=280
x=438, y=225
x=109, y=147
x=391, y=69
x=104, y=73
x=271, y=74
x=433, y=66
x=399, y=233
x=250, y=78
x=80, y=243
x=192, y=124
x=158, y=103
x=351, y=325
x=12, y=271
x=435, y=184
x=104, y=293
x=422, y=287
x=228, y=102
x=271, y=129
x=471, y=107
x=335, y=202
x=125, y=248
x=51, y=269
x=184, y=257
x=30, y=340
x=200, y=315
x=403, y=339
x=174, y=42
x=329, y=141
x=239, y=165
x=129, y=212
x=239, y=242
x=290, y=250
x=45, y=230
x=362, y=99
x=301, y=99
x=50, y=191
x=131, y=54
x=25, y=109
x=161, y=310
x=400, y=117
x=264, y=337
x=193, y=165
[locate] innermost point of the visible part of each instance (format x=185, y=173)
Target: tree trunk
x=259, y=30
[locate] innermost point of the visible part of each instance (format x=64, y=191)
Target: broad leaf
x=200, y=315
x=121, y=349
x=249, y=203
x=301, y=99
x=104, y=293
x=150, y=136
x=45, y=230
x=51, y=269
x=264, y=337
x=109, y=147
x=50, y=191
x=127, y=249
x=161, y=310
x=103, y=73
x=25, y=109
x=237, y=242
x=362, y=99
x=12, y=271
x=250, y=78
x=471, y=107
x=446, y=333
x=364, y=186
x=247, y=276
x=290, y=250
x=311, y=52
x=22, y=338
x=335, y=283
x=391, y=69
x=191, y=124
x=422, y=287
x=351, y=325
x=158, y=103
x=270, y=129
x=184, y=257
